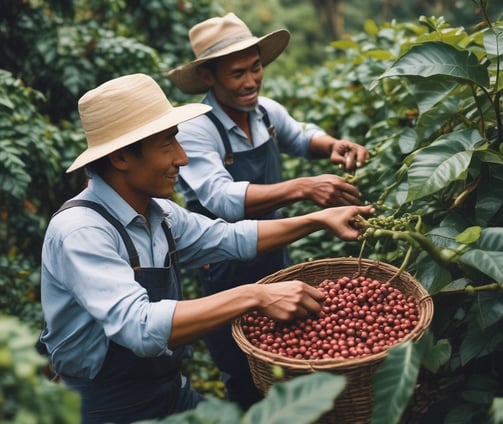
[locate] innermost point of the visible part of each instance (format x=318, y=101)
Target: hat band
x=225, y=43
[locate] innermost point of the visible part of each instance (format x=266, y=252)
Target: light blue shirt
x=205, y=177
x=89, y=294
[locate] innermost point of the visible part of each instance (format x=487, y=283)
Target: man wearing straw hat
x=235, y=164
x=117, y=328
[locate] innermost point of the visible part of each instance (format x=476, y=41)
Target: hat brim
x=175, y=116
x=186, y=78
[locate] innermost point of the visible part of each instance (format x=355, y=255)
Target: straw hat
x=217, y=37
x=125, y=110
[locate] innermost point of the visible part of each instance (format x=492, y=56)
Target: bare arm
x=325, y=190
x=282, y=301
x=342, y=221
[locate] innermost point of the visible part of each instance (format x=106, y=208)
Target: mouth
x=249, y=97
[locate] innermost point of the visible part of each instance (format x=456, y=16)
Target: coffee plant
x=425, y=99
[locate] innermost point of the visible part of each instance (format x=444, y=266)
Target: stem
x=472, y=290
x=404, y=264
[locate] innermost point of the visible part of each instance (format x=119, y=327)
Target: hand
x=348, y=154
x=343, y=221
x=287, y=300
x=329, y=190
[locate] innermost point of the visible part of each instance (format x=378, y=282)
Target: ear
x=119, y=160
x=206, y=76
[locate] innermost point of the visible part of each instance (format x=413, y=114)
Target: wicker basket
x=354, y=404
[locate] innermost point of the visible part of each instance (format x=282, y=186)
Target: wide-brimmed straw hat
x=217, y=37
x=125, y=110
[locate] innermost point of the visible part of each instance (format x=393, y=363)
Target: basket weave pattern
x=354, y=404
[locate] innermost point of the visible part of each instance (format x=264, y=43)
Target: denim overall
x=129, y=388
x=261, y=165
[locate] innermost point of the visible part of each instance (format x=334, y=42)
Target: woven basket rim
x=425, y=308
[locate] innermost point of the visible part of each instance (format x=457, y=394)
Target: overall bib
x=129, y=388
x=261, y=165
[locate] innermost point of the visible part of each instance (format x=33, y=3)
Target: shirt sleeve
x=90, y=263
x=294, y=136
x=201, y=240
x=206, y=174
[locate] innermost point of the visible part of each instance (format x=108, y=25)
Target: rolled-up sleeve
x=201, y=240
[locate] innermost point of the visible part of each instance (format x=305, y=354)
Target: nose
x=181, y=158
x=251, y=79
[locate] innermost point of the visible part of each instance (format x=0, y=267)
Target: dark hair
x=99, y=166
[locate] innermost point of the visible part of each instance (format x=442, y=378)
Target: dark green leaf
x=436, y=166
x=394, y=383
x=486, y=254
x=301, y=400
x=435, y=355
x=213, y=410
x=437, y=59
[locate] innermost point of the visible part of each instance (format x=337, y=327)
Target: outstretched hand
x=343, y=221
x=348, y=154
x=329, y=190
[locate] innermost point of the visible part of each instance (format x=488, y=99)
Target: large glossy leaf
x=301, y=400
x=428, y=93
x=437, y=59
x=431, y=275
x=213, y=410
x=394, y=383
x=479, y=342
x=490, y=196
x=435, y=354
x=446, y=160
x=486, y=255
x=493, y=42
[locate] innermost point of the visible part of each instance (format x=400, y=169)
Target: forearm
x=263, y=198
x=276, y=233
x=196, y=317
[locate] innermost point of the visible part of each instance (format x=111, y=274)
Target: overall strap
x=171, y=257
x=270, y=128
x=134, y=259
x=229, y=160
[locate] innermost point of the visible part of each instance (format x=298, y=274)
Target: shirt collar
x=227, y=122
x=98, y=190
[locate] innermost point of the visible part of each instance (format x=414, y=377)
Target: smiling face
x=152, y=172
x=236, y=80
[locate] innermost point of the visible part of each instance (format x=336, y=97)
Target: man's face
x=237, y=79
x=154, y=173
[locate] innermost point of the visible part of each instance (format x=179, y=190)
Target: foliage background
x=51, y=52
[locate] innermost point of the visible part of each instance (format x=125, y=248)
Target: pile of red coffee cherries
x=360, y=316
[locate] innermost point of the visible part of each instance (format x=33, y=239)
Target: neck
x=138, y=201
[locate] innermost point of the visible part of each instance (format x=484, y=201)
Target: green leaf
x=479, y=342
x=429, y=92
x=489, y=196
x=493, y=42
x=394, y=383
x=436, y=166
x=301, y=400
x=430, y=274
x=213, y=410
x=435, y=355
x=486, y=255
x=497, y=410
x=470, y=235
x=437, y=59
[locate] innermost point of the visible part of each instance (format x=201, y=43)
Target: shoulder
x=79, y=220
x=273, y=107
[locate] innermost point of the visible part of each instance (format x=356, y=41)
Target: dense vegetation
x=423, y=95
